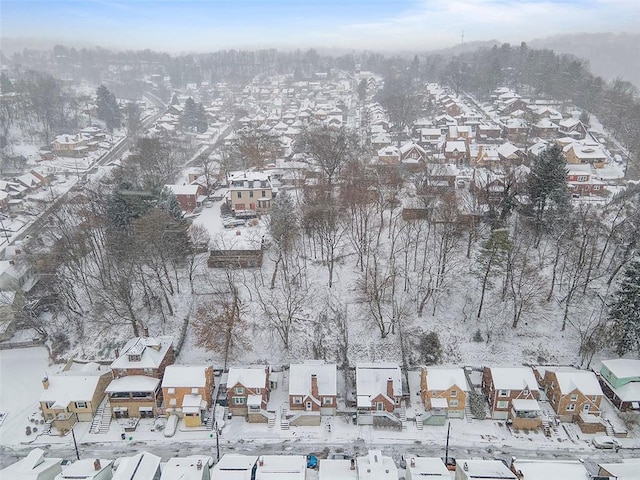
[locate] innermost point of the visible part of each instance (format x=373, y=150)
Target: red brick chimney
x=390, y=387
x=314, y=386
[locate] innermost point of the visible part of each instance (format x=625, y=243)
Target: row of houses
x=143, y=381
x=374, y=465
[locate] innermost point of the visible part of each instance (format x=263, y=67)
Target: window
x=596, y=187
x=453, y=402
x=585, y=407
x=140, y=394
x=571, y=407
x=582, y=178
x=239, y=400
x=503, y=393
x=194, y=391
x=379, y=406
x=525, y=392
x=327, y=400
x=502, y=404
x=251, y=194
x=594, y=398
x=574, y=397
x=173, y=402
x=454, y=393
x=239, y=194
x=148, y=371
x=134, y=358
x=238, y=390
x=171, y=391
x=264, y=194
x=397, y=400
x=81, y=404
x=297, y=400
x=258, y=391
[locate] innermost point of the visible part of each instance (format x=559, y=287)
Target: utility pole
x=73, y=434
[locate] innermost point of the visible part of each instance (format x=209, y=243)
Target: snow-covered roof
x=281, y=467
x=513, y=378
x=584, y=381
x=252, y=377
x=628, y=470
x=427, y=467
x=485, y=469
x=193, y=467
x=376, y=466
x=185, y=376
x=439, y=378
x=64, y=389
x=130, y=383
x=336, y=469
x=233, y=466
x=300, y=378
x=371, y=381
x=183, y=189
x=85, y=469
x=151, y=351
x=33, y=467
x=525, y=405
x=142, y=466
x=507, y=149
x=623, y=367
x=192, y=403
x=552, y=469
x=439, y=402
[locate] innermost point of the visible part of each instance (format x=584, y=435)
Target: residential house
x=430, y=138
x=516, y=130
x=444, y=389
x=581, y=153
x=312, y=387
x=419, y=468
x=412, y=153
x=186, y=391
x=337, y=469
x=545, y=128
x=137, y=374
x=456, y=152
x=35, y=466
x=489, y=186
x=439, y=178
x=483, y=470
x=485, y=156
x=281, y=467
x=509, y=154
x=380, y=140
x=250, y=190
x=193, y=467
x=573, y=394
x=376, y=466
x=70, y=146
x=512, y=393
x=627, y=470
x=583, y=181
x=572, y=127
x=143, y=466
x=248, y=389
x=488, y=133
x=378, y=387
x=389, y=155
x=513, y=105
x=87, y=469
x=188, y=196
x=620, y=381
x=73, y=395
x=233, y=466
x=550, y=469
x=15, y=276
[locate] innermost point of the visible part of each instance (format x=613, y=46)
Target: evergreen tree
x=201, y=119
x=189, y=118
x=624, y=312
x=174, y=100
x=108, y=109
x=549, y=199
x=6, y=85
x=134, y=122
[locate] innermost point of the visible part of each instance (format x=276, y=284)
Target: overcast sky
x=206, y=25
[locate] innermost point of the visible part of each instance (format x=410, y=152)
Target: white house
x=376, y=466
x=281, y=467
x=143, y=466
x=419, y=468
x=233, y=466
x=193, y=467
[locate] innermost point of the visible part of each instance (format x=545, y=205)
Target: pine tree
x=189, y=118
x=624, y=312
x=108, y=109
x=201, y=119
x=134, y=122
x=549, y=199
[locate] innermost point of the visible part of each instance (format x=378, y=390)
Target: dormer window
x=135, y=357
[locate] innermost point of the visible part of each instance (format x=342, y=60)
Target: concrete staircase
x=467, y=412
x=419, y=422
x=546, y=428
x=402, y=413
x=211, y=420
x=609, y=428
x=284, y=422
x=102, y=419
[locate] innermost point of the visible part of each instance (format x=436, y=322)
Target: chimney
x=117, y=352
x=96, y=464
x=261, y=462
x=146, y=331
x=465, y=467
x=45, y=383
x=413, y=462
x=512, y=466
x=199, y=465
x=390, y=388
x=314, y=386
x=353, y=464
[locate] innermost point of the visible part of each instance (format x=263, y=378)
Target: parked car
x=603, y=442
x=233, y=222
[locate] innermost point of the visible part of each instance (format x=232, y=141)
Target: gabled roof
x=64, y=389
x=371, y=381
x=439, y=378
x=186, y=468
x=584, y=381
x=623, y=367
x=142, y=466
x=252, y=377
x=513, y=378
x=193, y=376
x=233, y=466
x=151, y=350
x=300, y=378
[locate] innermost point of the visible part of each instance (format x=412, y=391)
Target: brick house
x=312, y=387
x=572, y=392
x=378, y=387
x=582, y=181
x=456, y=152
x=247, y=389
x=186, y=390
x=572, y=127
x=512, y=393
x=444, y=388
x=188, y=196
x=137, y=374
